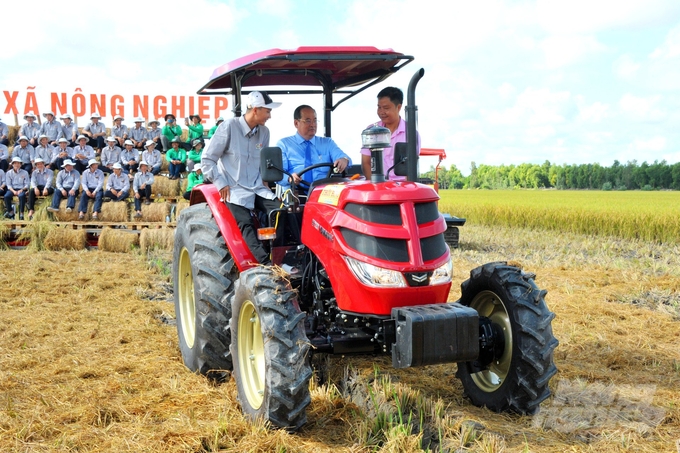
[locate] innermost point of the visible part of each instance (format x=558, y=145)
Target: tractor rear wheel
x=270, y=349
x=203, y=274
x=520, y=362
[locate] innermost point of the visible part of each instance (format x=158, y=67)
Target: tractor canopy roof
x=306, y=70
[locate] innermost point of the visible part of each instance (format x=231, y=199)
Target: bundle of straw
x=115, y=211
x=63, y=216
x=65, y=239
x=165, y=187
x=115, y=240
x=156, y=238
x=181, y=205
x=154, y=212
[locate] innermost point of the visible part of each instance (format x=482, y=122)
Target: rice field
x=651, y=216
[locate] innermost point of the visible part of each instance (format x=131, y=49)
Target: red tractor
x=374, y=270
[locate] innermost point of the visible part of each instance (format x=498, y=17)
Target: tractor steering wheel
x=330, y=166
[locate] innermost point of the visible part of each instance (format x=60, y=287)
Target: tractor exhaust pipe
x=411, y=123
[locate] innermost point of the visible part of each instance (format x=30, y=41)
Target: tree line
x=629, y=176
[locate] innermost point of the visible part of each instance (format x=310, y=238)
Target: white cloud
x=563, y=50
x=626, y=67
x=670, y=49
x=644, y=109
x=654, y=144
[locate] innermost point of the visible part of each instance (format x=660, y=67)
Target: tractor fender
x=208, y=193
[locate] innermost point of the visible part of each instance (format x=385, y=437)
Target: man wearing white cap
x=41, y=184
x=30, y=129
x=24, y=151
x=16, y=181
x=117, y=184
x=4, y=134
x=51, y=127
x=119, y=130
x=142, y=187
x=60, y=153
x=153, y=133
x=68, y=183
x=92, y=183
x=138, y=134
x=83, y=153
x=95, y=130
x=69, y=129
x=236, y=145
x=110, y=155
x=42, y=151
x=195, y=178
x=129, y=158
x=152, y=156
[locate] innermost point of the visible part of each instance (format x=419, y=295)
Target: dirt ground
x=89, y=359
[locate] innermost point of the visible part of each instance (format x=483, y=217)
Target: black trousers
x=247, y=227
x=32, y=195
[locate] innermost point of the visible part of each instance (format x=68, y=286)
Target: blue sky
x=505, y=82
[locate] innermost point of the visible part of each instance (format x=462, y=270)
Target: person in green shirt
x=194, y=156
x=193, y=123
x=212, y=130
x=195, y=178
x=170, y=131
x=176, y=157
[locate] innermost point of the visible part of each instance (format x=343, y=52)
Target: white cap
x=80, y=137
x=16, y=159
x=261, y=99
x=118, y=117
x=154, y=121
x=139, y=119
x=95, y=115
x=38, y=160
x=23, y=137
x=111, y=139
x=197, y=167
x=128, y=142
x=143, y=163
x=48, y=113
x=149, y=143
x=92, y=162
x=67, y=115
x=41, y=137
x=30, y=115
x=118, y=166
x=62, y=140
x=67, y=162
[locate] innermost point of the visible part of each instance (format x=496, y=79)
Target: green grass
x=651, y=216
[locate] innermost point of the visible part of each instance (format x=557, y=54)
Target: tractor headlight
x=375, y=276
x=442, y=274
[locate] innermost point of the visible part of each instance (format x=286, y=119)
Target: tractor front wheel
x=269, y=349
x=516, y=359
x=203, y=274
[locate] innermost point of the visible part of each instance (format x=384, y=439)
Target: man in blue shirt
x=305, y=148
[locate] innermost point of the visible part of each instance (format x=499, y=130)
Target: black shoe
x=106, y=199
x=21, y=217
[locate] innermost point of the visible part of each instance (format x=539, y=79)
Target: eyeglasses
x=309, y=121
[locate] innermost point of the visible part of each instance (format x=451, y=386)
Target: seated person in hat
x=193, y=124
x=51, y=127
x=92, y=183
x=194, y=156
x=142, y=187
x=67, y=185
x=42, y=151
x=176, y=157
x=212, y=130
x=4, y=134
x=153, y=133
x=30, y=129
x=16, y=185
x=129, y=158
x=195, y=178
x=152, y=157
x=119, y=131
x=95, y=131
x=41, y=185
x=69, y=129
x=82, y=153
x=138, y=134
x=117, y=184
x=170, y=131
x=110, y=155
x=24, y=152
x=2, y=183
x=4, y=156
x=60, y=153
